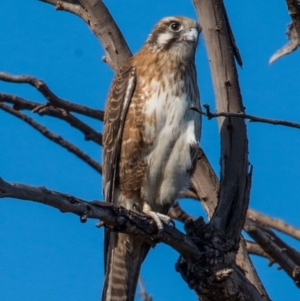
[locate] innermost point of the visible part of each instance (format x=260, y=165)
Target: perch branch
x=117, y=218
x=50, y=96
x=55, y=138
x=23, y=104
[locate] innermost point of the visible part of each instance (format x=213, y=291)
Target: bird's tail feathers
x=124, y=257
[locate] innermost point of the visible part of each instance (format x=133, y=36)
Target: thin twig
x=23, y=104
x=275, y=223
x=55, y=138
x=50, y=96
x=252, y=118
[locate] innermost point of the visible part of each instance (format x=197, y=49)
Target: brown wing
x=117, y=104
x=122, y=266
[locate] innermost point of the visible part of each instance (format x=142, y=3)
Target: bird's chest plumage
x=170, y=129
x=159, y=131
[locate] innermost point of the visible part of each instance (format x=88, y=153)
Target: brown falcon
x=150, y=140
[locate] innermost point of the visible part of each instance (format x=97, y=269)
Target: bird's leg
x=157, y=217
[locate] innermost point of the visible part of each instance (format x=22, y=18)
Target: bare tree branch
x=100, y=21
x=117, y=218
x=23, y=104
x=232, y=206
x=233, y=196
x=275, y=223
x=243, y=115
x=254, y=248
x=50, y=96
x=204, y=182
x=287, y=257
x=55, y=138
x=205, y=185
x=73, y=8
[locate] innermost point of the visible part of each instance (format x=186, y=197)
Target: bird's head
x=174, y=33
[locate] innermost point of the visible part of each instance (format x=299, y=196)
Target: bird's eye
x=175, y=26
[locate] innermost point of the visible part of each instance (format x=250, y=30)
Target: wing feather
x=118, y=101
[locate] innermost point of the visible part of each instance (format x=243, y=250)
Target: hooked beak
x=191, y=36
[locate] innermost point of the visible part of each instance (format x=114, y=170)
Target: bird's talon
x=165, y=218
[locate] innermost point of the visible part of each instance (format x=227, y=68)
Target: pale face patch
x=164, y=38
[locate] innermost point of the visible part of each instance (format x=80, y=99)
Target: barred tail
x=124, y=257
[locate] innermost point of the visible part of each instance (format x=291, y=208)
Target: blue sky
x=47, y=255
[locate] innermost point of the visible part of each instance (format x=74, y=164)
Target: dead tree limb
x=287, y=257
x=54, y=100
x=102, y=24
x=55, y=138
x=117, y=218
x=243, y=115
x=229, y=215
x=23, y=104
x=234, y=144
x=255, y=249
x=205, y=185
x=274, y=223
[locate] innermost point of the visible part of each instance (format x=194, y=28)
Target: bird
x=150, y=141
